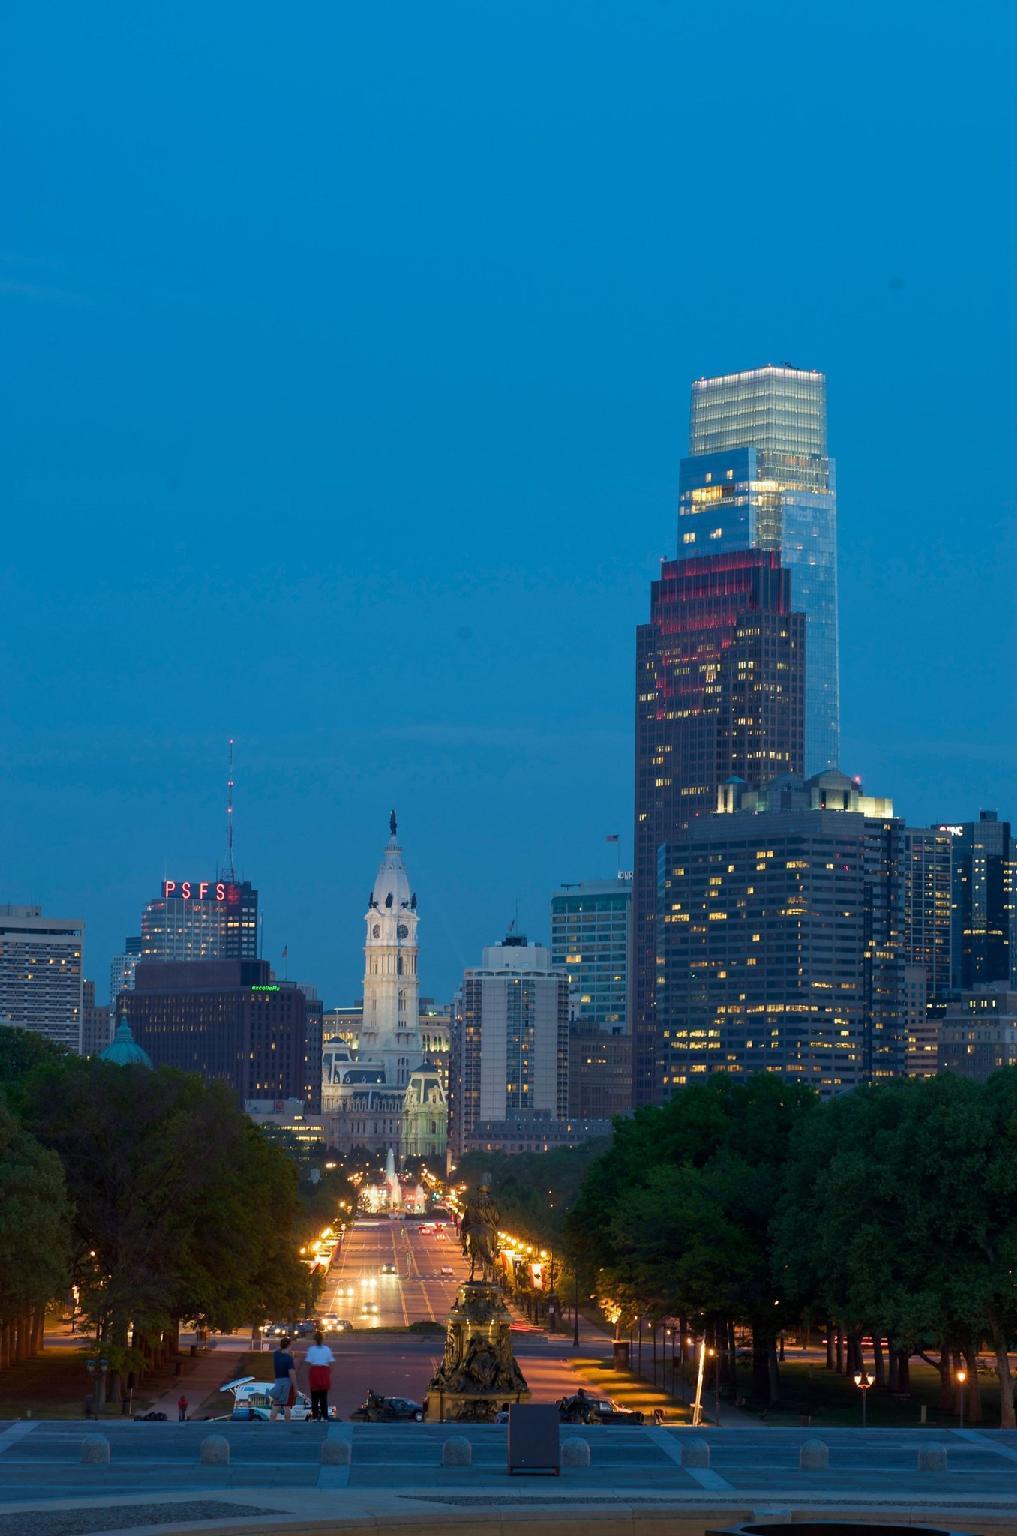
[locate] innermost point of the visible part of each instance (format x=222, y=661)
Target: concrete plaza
x=277, y=1479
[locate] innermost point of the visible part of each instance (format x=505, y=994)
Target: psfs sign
x=202, y=890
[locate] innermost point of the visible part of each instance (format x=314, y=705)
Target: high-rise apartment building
x=780, y=937
x=720, y=671
x=510, y=1041
x=984, y=902
x=201, y=920
x=41, y=973
x=590, y=942
x=758, y=476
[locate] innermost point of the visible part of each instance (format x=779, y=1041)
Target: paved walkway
x=396, y=1467
x=199, y=1377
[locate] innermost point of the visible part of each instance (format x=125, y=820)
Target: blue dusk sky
x=346, y=360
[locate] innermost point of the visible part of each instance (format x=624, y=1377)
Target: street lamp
x=863, y=1381
x=961, y=1376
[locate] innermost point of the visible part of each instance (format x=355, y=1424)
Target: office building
x=720, y=671
x=758, y=476
x=928, y=885
x=978, y=1033
x=600, y=1071
x=201, y=920
x=590, y=942
x=121, y=969
x=984, y=902
x=780, y=937
x=382, y=1092
x=510, y=1041
x=41, y=973
x=227, y=1020
x=96, y=1022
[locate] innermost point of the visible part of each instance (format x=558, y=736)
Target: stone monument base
x=478, y=1372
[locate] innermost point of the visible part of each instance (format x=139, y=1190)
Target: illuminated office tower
x=201, y=920
x=719, y=674
x=758, y=476
x=780, y=937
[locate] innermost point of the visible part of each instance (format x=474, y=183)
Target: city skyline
x=353, y=430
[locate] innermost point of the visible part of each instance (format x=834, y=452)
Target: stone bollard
x=575, y=1452
x=695, y=1453
x=336, y=1453
x=95, y=1451
x=932, y=1458
x=215, y=1451
x=814, y=1456
x=456, y=1452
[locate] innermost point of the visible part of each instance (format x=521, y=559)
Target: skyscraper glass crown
x=758, y=476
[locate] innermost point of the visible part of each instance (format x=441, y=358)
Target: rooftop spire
x=230, y=870
x=392, y=823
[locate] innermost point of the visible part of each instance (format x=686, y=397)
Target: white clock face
x=376, y=931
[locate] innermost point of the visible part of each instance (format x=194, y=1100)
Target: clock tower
x=391, y=1026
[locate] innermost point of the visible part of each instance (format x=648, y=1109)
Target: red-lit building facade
x=720, y=679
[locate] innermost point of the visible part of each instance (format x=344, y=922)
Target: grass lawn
x=807, y=1387
x=54, y=1385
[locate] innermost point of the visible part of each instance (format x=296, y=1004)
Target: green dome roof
x=124, y=1051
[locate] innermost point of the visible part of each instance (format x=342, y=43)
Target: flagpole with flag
x=613, y=837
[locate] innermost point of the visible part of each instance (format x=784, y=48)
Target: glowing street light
x=863, y=1381
x=961, y=1376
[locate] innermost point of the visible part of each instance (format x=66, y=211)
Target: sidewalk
x=199, y=1377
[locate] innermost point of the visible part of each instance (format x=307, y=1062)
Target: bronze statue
x=479, y=1232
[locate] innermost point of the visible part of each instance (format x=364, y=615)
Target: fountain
x=478, y=1371
x=395, y=1194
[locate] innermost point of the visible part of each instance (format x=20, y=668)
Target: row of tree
x=888, y=1215
x=146, y=1194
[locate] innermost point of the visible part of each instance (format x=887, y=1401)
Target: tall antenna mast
x=230, y=870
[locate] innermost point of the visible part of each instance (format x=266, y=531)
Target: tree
x=34, y=1235
x=677, y=1213
x=182, y=1209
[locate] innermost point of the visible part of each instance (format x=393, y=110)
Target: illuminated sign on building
x=202, y=890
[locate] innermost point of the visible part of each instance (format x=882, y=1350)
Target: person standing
x=181, y=1409
x=284, y=1388
x=320, y=1361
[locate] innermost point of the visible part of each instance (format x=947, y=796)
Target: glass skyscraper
x=758, y=476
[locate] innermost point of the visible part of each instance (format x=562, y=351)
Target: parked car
x=581, y=1408
x=377, y=1409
